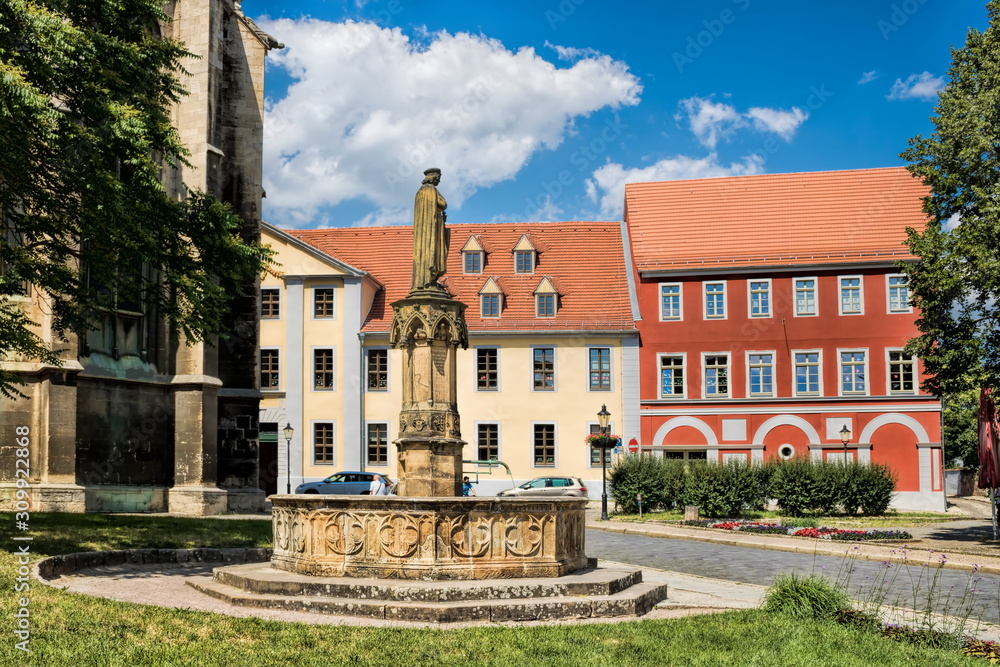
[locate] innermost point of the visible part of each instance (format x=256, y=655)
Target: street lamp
x=288, y=431
x=602, y=418
x=845, y=435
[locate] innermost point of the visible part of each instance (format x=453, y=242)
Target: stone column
x=428, y=325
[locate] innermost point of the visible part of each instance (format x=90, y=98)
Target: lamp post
x=602, y=418
x=845, y=435
x=288, y=431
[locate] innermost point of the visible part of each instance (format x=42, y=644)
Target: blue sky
x=543, y=110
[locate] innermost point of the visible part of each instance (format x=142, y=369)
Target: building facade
x=136, y=419
x=552, y=340
x=773, y=320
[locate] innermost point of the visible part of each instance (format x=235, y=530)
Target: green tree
x=86, y=143
x=961, y=434
x=956, y=279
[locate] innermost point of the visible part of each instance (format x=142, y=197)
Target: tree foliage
x=956, y=280
x=86, y=142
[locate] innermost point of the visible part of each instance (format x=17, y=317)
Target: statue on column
x=430, y=237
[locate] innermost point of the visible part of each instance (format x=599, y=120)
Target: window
x=489, y=305
x=761, y=373
x=323, y=369
x=473, y=262
x=323, y=443
x=686, y=455
x=488, y=442
x=323, y=303
x=270, y=306
x=852, y=372
x=269, y=369
x=487, y=369
x=672, y=377
x=544, y=368
x=805, y=296
x=10, y=283
x=544, y=445
x=595, y=452
x=524, y=261
x=600, y=369
x=850, y=296
x=760, y=298
x=545, y=305
x=670, y=301
x=716, y=375
x=899, y=294
x=901, y=373
x=378, y=370
x=715, y=301
x=377, y=441
x=806, y=373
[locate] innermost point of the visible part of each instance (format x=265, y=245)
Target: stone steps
x=592, y=593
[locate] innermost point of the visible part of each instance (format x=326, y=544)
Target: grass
x=889, y=520
x=71, y=629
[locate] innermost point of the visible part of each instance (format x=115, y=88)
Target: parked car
x=549, y=486
x=350, y=483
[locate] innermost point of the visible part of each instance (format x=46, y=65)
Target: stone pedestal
x=428, y=538
x=428, y=326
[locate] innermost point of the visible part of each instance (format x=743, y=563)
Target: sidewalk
x=967, y=543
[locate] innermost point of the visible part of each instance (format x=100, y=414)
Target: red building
x=773, y=315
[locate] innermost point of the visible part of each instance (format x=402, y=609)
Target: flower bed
x=817, y=533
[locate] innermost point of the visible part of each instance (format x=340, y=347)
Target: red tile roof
x=773, y=219
x=584, y=259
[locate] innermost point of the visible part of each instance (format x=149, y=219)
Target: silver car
x=549, y=486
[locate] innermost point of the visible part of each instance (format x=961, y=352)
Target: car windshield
x=335, y=478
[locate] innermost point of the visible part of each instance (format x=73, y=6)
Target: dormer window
x=546, y=299
x=473, y=255
x=524, y=256
x=490, y=300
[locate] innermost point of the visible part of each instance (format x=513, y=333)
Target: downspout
x=361, y=402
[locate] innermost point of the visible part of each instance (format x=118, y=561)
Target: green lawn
x=889, y=520
x=70, y=629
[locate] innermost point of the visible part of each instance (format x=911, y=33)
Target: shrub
x=647, y=475
x=877, y=489
x=804, y=597
x=793, y=485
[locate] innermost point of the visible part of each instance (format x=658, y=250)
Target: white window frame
x=499, y=425
x=499, y=298
x=388, y=369
x=312, y=367
x=555, y=445
x=475, y=361
x=611, y=369
x=729, y=375
x=680, y=302
x=819, y=373
x=281, y=303
x=465, y=270
x=555, y=369
x=281, y=366
x=312, y=442
x=795, y=296
x=770, y=298
x=888, y=294
x=888, y=374
x=865, y=371
x=747, y=356
x=388, y=443
x=314, y=289
x=659, y=373
x=861, y=295
x=704, y=302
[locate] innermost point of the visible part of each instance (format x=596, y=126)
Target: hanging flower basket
x=602, y=441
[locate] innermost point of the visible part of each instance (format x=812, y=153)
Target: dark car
x=350, y=483
x=549, y=486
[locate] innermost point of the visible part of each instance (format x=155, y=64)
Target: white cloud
x=867, y=77
x=780, y=122
x=711, y=122
x=923, y=86
x=607, y=185
x=953, y=222
x=370, y=109
x=571, y=52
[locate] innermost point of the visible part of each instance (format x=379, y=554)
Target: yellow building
x=552, y=339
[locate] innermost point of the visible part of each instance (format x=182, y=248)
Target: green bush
x=648, y=475
x=793, y=485
x=805, y=597
x=876, y=492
